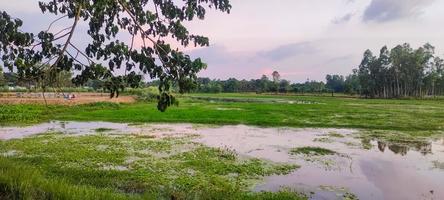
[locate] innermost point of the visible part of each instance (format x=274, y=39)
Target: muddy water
x=382, y=171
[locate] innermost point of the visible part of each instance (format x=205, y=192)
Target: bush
x=143, y=94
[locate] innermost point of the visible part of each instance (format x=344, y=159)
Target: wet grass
x=57, y=166
x=414, y=117
x=335, y=135
x=316, y=151
x=102, y=130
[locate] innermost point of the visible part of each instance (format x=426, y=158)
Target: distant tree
x=284, y=86
x=95, y=84
x=335, y=83
x=231, y=85
x=364, y=72
x=10, y=78
x=274, y=87
x=2, y=78
x=262, y=84
x=276, y=76
x=351, y=84
x=399, y=72
x=155, y=22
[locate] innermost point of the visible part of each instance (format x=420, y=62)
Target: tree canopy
x=153, y=21
x=400, y=72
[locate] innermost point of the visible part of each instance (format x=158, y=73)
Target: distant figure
x=73, y=96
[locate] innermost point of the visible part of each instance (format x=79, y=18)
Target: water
x=384, y=171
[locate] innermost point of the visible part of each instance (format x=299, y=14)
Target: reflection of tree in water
x=381, y=146
x=398, y=149
x=403, y=147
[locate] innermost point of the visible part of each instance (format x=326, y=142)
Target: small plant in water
x=349, y=196
x=101, y=130
x=318, y=151
x=335, y=134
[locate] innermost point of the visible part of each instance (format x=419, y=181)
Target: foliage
x=335, y=83
x=144, y=94
x=262, y=85
x=152, y=21
x=2, y=78
x=399, y=72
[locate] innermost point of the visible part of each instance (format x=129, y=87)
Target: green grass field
x=417, y=117
x=54, y=166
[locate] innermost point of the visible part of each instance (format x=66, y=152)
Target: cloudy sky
x=302, y=39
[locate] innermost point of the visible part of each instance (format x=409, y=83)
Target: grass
x=102, y=130
x=316, y=151
x=57, y=166
x=413, y=117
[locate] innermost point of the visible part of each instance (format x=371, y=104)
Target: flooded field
x=334, y=163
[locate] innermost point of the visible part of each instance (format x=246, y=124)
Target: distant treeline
x=396, y=73
x=262, y=85
x=399, y=72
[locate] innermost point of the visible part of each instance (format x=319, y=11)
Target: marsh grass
x=335, y=135
x=414, y=117
x=316, y=151
x=420, y=118
x=102, y=130
x=54, y=166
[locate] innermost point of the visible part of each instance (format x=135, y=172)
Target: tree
x=276, y=76
x=2, y=78
x=152, y=21
x=351, y=84
x=335, y=83
x=284, y=86
x=262, y=84
x=231, y=85
x=399, y=72
x=364, y=72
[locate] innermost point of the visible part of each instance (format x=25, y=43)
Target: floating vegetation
x=323, y=140
x=349, y=196
x=102, y=130
x=317, y=151
x=335, y=135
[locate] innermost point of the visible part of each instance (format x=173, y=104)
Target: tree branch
x=71, y=33
x=83, y=54
x=53, y=22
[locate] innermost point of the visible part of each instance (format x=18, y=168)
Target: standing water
x=381, y=170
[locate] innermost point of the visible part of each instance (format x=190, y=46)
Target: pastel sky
x=301, y=39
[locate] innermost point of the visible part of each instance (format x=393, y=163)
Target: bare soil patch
x=61, y=99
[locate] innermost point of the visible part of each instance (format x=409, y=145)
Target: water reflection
x=380, y=170
x=423, y=147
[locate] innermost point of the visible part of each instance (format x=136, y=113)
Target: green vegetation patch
x=102, y=130
x=317, y=151
x=417, y=140
x=421, y=118
x=127, y=167
x=335, y=135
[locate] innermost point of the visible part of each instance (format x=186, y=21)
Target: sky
x=301, y=39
